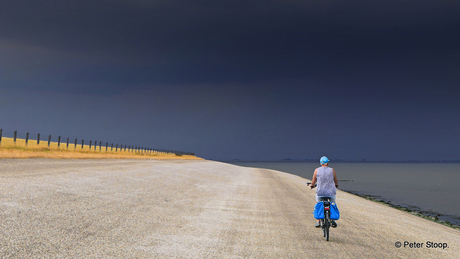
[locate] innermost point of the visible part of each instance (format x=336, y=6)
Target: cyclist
x=326, y=182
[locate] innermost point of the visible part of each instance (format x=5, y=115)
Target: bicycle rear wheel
x=323, y=226
x=327, y=226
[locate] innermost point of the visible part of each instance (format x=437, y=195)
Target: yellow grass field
x=9, y=149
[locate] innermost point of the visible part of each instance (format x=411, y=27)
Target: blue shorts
x=332, y=198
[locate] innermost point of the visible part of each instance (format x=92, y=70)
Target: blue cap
x=324, y=160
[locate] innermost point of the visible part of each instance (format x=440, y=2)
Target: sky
x=250, y=80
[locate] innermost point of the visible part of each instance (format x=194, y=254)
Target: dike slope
x=192, y=209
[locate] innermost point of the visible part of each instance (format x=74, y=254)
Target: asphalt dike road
x=192, y=209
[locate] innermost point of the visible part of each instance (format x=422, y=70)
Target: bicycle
x=326, y=222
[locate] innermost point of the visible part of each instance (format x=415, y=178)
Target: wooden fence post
x=95, y=145
x=67, y=143
x=27, y=138
x=82, y=142
x=100, y=146
x=111, y=149
x=75, y=144
x=15, y=136
x=106, y=146
x=116, y=149
x=90, y=145
x=38, y=139
x=59, y=141
x=1, y=132
x=49, y=140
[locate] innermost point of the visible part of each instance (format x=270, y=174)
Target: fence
x=95, y=146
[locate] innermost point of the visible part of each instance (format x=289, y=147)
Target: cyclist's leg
x=317, y=222
x=317, y=225
x=333, y=199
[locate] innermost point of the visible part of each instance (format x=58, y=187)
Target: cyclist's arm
x=313, y=180
x=335, y=178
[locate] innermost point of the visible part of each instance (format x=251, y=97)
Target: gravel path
x=191, y=209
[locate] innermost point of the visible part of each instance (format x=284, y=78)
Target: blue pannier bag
x=318, y=213
x=335, y=214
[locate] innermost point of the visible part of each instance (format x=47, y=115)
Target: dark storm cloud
x=208, y=41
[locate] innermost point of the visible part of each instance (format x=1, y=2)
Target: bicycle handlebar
x=309, y=184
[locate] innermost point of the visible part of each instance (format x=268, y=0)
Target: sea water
x=431, y=188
